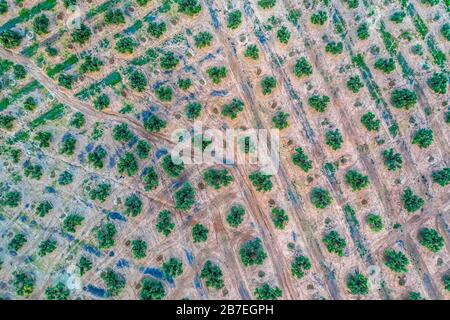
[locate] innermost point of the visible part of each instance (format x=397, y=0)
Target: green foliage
x=172, y=267
x=96, y=157
x=358, y=284
x=114, y=282
x=334, y=47
x=40, y=24
x=375, y=222
x=279, y=218
x=423, y=138
x=266, y=292
x=445, y=31
x=100, y=192
x=334, y=243
x=217, y=178
x=57, y=292
x=125, y=45
x=234, y=19
x=403, y=98
x=170, y=168
x=66, y=80
x=252, y=51
x=431, y=239
x=301, y=159
x=189, y=7
x=318, y=103
x=283, y=35
x=137, y=81
x=356, y=180
x=65, y=178
x=154, y=124
x=71, y=222
x=152, y=289
x=184, y=197
x=415, y=296
x=19, y=71
x=397, y=17
x=184, y=84
x=46, y=247
x=385, y=65
x=114, y=16
x=17, y=242
x=156, y=29
x=233, y=108
x=143, y=149
x=298, y=266
x=279, y=120
x=164, y=93
x=81, y=35
x=150, y=179
x=203, y=39
x=168, y=61
x=354, y=84
x=333, y=139
x=261, y=181
x=23, y=283
x=43, y=208
x=122, y=133
x=320, y=198
x=319, y=18
x=411, y=202
x=43, y=138
x=236, y=216
x=302, y=68
x=3, y=7
x=193, y=110
x=396, y=260
x=139, y=249
x=199, y=233
x=446, y=282
x=7, y=122
x=102, y=102
x=30, y=104
x=370, y=121
x=363, y=31
x=216, y=74
x=133, y=205
x=212, y=274
x=10, y=39
x=268, y=84
x=392, y=160
x=441, y=177
x=164, y=223
x=68, y=145
x=33, y=171
x=78, y=120
x=267, y=4
x=10, y=198
x=252, y=252
x=438, y=83
x=105, y=235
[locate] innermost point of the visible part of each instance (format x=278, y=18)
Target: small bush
x=397, y=17
x=114, y=16
x=333, y=139
x=152, y=289
x=411, y=202
x=216, y=74
x=127, y=164
x=267, y=4
x=320, y=198
x=172, y=267
x=125, y=45
x=319, y=18
x=10, y=39
x=252, y=51
x=431, y=239
x=57, y=292
x=396, y=260
x=96, y=157
x=392, y=160
x=203, y=39
x=81, y=35
x=46, y=247
x=184, y=84
x=283, y=35
x=170, y=168
x=279, y=218
x=189, y=7
x=102, y=102
x=233, y=108
x=133, y=205
x=261, y=181
x=302, y=68
x=266, y=292
x=100, y=192
x=122, y=133
x=71, y=222
x=154, y=124
x=105, y=235
x=358, y=284
x=217, y=178
x=385, y=65
x=438, y=83
x=363, y=31
x=234, y=19
x=114, y=282
x=199, y=233
x=298, y=266
x=280, y=121
x=370, y=121
x=139, y=249
x=375, y=222
x=334, y=47
x=252, y=253
x=164, y=93
x=212, y=274
x=318, y=102
x=78, y=120
x=423, y=138
x=441, y=177
x=164, y=223
x=43, y=208
x=301, y=160
x=156, y=29
x=185, y=197
x=354, y=84
x=150, y=179
x=403, y=98
x=268, y=84
x=236, y=216
x=137, y=81
x=334, y=243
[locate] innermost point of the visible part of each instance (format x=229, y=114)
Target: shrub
x=234, y=19
x=81, y=35
x=212, y=275
x=156, y=29
x=236, y=216
x=154, y=124
x=279, y=218
x=172, y=267
x=370, y=121
x=96, y=157
x=102, y=102
x=318, y=103
x=392, y=160
x=10, y=198
x=261, y=181
x=438, y=83
x=139, y=249
x=298, y=266
x=334, y=243
x=441, y=177
x=217, y=178
x=267, y=4
x=252, y=51
x=137, y=81
x=164, y=223
x=23, y=283
x=71, y=222
x=446, y=282
x=268, y=84
x=357, y=283
x=319, y=18
x=164, y=93
x=184, y=84
x=105, y=235
x=354, y=84
x=133, y=205
x=445, y=31
x=199, y=233
x=385, y=65
x=114, y=16
x=78, y=120
x=43, y=138
x=10, y=39
x=46, y=247
x=266, y=292
x=333, y=138
x=152, y=289
x=57, y=292
x=375, y=222
x=122, y=133
x=216, y=74
x=168, y=61
x=184, y=197
x=115, y=282
x=127, y=164
x=252, y=253
x=431, y=239
x=68, y=145
x=66, y=80
x=279, y=120
x=7, y=122
x=30, y=104
x=397, y=17
x=301, y=159
x=320, y=198
x=395, y=260
x=170, y=168
x=334, y=47
x=411, y=202
x=403, y=98
x=423, y=138
x=40, y=24
x=65, y=178
x=189, y=7
x=283, y=35
x=150, y=179
x=19, y=71
x=193, y=110
x=363, y=31
x=125, y=45
x=203, y=39
x=3, y=7
x=232, y=109
x=142, y=149
x=33, y=171
x=415, y=296
x=43, y=208
x=100, y=192
x=302, y=68
x=17, y=242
